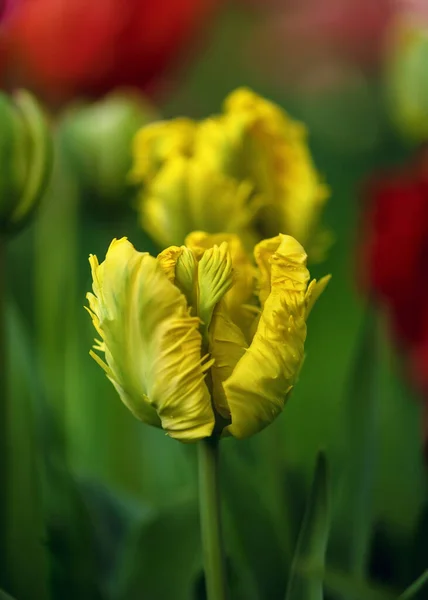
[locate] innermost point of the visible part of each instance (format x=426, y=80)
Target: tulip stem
x=210, y=513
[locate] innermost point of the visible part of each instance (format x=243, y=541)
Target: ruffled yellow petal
x=258, y=387
x=273, y=259
x=152, y=345
x=156, y=143
x=168, y=260
x=280, y=164
x=262, y=254
x=227, y=345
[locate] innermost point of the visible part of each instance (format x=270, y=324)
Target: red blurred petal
x=396, y=248
x=66, y=48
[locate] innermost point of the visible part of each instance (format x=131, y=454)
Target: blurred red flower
x=395, y=261
x=67, y=48
x=396, y=247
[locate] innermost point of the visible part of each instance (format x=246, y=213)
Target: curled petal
x=262, y=379
x=281, y=260
x=168, y=260
x=152, y=345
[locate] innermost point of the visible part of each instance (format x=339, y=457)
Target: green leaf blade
x=312, y=543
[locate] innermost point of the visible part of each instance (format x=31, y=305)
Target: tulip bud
x=97, y=140
x=26, y=158
x=407, y=80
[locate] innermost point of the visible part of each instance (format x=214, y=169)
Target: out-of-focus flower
x=97, y=138
x=396, y=247
x=247, y=171
x=317, y=43
x=191, y=343
x=395, y=265
x=78, y=48
x=26, y=158
x=407, y=78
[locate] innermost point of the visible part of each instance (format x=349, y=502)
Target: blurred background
x=101, y=506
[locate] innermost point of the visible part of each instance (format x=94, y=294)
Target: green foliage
x=24, y=516
x=312, y=543
x=162, y=555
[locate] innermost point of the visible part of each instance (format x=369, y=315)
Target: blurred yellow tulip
x=247, y=171
x=199, y=341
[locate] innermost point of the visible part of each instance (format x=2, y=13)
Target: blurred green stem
x=55, y=293
x=209, y=499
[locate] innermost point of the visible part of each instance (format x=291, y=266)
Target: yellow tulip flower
x=246, y=171
x=199, y=341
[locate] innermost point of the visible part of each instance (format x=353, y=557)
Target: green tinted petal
x=186, y=277
x=152, y=345
x=215, y=279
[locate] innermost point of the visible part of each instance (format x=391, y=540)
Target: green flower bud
x=97, y=140
x=407, y=80
x=26, y=158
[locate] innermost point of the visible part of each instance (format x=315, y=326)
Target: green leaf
x=354, y=589
x=25, y=568
x=5, y=596
x=362, y=430
x=62, y=523
x=416, y=586
x=162, y=556
x=312, y=543
x=343, y=585
x=71, y=539
x=250, y=530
